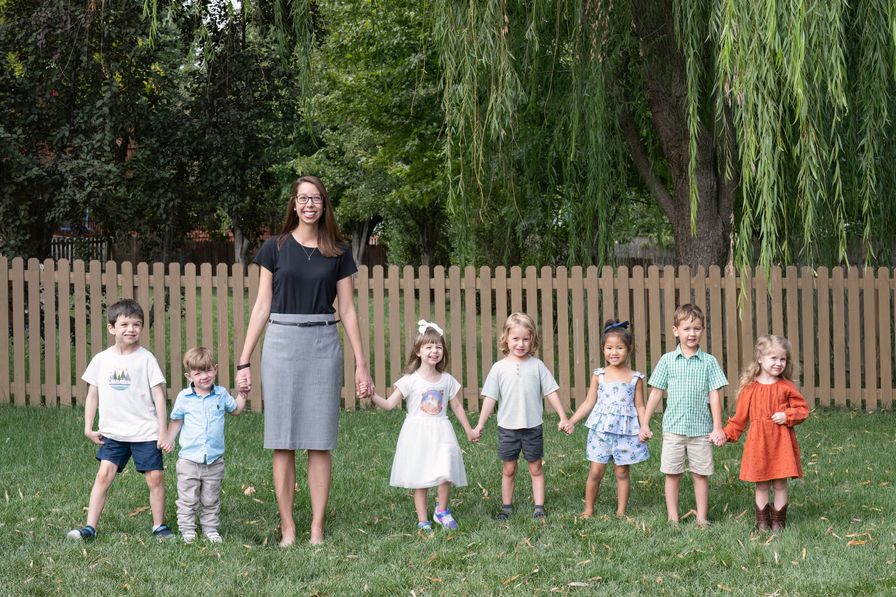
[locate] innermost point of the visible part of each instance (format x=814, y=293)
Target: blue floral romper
x=614, y=423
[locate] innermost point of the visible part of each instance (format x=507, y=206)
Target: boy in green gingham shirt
x=692, y=421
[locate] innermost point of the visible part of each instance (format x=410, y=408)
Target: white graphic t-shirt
x=427, y=397
x=125, y=382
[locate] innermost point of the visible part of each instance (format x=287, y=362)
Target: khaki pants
x=198, y=484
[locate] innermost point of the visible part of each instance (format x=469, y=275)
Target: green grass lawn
x=840, y=539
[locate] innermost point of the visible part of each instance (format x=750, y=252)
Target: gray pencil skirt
x=301, y=379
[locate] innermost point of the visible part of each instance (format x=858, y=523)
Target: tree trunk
x=425, y=237
x=361, y=232
x=40, y=236
x=665, y=82
x=240, y=246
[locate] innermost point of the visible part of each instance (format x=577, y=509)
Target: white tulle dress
x=427, y=453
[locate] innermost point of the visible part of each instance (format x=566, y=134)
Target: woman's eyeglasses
x=312, y=199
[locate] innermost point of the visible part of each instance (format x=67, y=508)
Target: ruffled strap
x=636, y=375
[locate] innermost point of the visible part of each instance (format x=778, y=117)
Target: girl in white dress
x=427, y=454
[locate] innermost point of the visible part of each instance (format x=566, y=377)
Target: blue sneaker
x=444, y=518
x=85, y=533
x=424, y=527
x=163, y=532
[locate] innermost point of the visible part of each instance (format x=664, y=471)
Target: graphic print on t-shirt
x=120, y=380
x=431, y=402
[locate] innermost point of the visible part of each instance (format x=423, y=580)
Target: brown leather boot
x=763, y=516
x=779, y=519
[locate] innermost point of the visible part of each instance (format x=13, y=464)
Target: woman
x=302, y=271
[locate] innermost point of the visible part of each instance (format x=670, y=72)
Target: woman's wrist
x=241, y=366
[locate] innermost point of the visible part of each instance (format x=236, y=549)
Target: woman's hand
x=244, y=380
x=363, y=382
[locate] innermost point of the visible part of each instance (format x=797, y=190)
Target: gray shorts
x=528, y=441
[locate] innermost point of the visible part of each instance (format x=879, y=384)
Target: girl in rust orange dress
x=771, y=403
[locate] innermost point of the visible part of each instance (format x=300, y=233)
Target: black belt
x=305, y=324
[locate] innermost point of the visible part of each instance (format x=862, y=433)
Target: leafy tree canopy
x=748, y=122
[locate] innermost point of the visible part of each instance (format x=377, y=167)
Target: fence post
x=50, y=328
x=887, y=331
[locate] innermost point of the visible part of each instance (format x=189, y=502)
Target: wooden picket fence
x=840, y=321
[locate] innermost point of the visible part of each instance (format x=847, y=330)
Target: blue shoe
x=444, y=518
x=424, y=527
x=85, y=533
x=163, y=532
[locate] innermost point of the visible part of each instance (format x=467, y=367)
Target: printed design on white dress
x=431, y=402
x=120, y=380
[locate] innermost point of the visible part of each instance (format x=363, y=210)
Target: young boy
x=693, y=417
x=519, y=382
x=198, y=414
x=127, y=386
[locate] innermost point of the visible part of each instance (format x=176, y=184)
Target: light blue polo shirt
x=202, y=435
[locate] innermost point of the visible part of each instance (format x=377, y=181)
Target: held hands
x=365, y=392
x=566, y=426
x=645, y=434
x=244, y=380
x=477, y=432
x=718, y=437
x=95, y=437
x=165, y=444
x=364, y=387
x=780, y=418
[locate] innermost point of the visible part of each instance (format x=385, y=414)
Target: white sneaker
x=188, y=537
x=214, y=537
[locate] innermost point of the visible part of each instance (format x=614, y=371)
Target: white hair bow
x=423, y=324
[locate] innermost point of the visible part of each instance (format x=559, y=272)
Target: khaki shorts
x=678, y=448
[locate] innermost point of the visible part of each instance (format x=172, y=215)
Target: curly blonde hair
x=763, y=345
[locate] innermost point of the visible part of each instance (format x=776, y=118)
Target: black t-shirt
x=302, y=285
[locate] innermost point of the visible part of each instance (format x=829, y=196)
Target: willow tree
x=749, y=123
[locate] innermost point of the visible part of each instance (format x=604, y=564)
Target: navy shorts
x=147, y=456
x=528, y=441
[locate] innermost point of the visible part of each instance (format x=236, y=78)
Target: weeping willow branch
x=804, y=130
